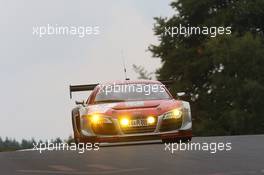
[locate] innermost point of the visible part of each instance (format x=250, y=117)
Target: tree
x=223, y=74
x=143, y=74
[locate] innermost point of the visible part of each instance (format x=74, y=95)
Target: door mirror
x=79, y=102
x=180, y=94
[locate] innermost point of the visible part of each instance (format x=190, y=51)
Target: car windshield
x=131, y=92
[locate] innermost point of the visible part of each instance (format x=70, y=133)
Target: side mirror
x=79, y=102
x=182, y=96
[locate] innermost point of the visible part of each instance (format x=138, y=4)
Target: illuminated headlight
x=151, y=120
x=173, y=114
x=124, y=122
x=99, y=119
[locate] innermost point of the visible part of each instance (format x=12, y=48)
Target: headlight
x=99, y=119
x=173, y=114
x=151, y=120
x=95, y=118
x=124, y=122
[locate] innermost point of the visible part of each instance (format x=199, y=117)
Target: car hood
x=148, y=107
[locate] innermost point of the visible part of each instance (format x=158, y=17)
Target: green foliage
x=143, y=74
x=69, y=140
x=8, y=144
x=12, y=145
x=224, y=75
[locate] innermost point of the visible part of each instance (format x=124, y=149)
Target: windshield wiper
x=109, y=101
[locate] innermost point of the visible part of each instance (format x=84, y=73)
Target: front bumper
x=149, y=136
x=117, y=134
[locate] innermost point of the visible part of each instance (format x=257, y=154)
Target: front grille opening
x=140, y=129
x=104, y=129
x=170, y=124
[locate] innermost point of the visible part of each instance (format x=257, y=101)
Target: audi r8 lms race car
x=130, y=111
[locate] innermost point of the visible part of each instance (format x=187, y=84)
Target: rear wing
x=167, y=83
x=85, y=87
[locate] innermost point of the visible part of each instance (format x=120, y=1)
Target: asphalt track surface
x=245, y=157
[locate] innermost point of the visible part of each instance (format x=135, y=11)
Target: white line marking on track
x=102, y=167
x=61, y=168
x=22, y=150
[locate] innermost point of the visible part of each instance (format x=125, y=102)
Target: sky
x=36, y=71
